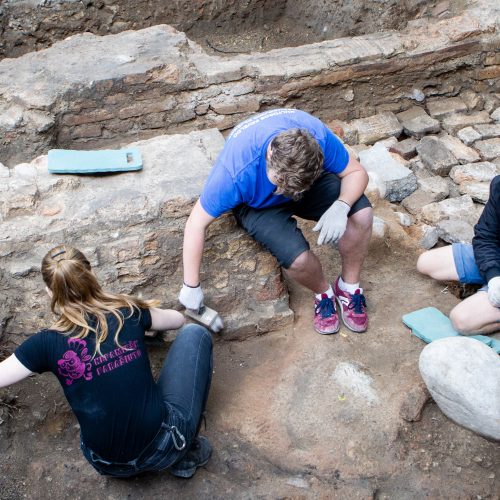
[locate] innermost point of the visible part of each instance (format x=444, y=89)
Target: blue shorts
x=467, y=270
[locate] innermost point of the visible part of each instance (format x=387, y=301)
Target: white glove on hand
x=494, y=291
x=191, y=297
x=333, y=223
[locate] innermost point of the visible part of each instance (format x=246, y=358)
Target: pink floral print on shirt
x=75, y=362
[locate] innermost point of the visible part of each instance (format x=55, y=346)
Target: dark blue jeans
x=184, y=382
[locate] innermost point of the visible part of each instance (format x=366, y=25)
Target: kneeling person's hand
x=333, y=223
x=494, y=291
x=191, y=297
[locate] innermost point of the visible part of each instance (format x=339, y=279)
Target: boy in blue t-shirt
x=280, y=164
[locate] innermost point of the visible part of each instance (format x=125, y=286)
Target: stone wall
x=135, y=85
x=131, y=226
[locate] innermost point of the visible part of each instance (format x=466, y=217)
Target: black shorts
x=275, y=227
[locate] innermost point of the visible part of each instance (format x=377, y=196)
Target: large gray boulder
x=463, y=377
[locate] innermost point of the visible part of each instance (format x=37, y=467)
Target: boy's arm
x=191, y=295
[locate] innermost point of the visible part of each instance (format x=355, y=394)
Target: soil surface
x=292, y=414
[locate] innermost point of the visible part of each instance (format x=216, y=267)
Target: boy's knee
x=300, y=263
x=363, y=219
x=460, y=320
x=424, y=263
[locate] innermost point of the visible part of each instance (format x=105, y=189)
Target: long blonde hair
x=77, y=296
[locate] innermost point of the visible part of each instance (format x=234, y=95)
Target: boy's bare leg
x=438, y=264
x=476, y=315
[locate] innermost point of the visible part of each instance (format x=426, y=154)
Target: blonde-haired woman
x=129, y=423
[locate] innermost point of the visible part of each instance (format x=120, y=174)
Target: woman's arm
x=12, y=371
x=166, y=319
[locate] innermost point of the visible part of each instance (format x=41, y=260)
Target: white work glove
x=191, y=297
x=494, y=291
x=333, y=223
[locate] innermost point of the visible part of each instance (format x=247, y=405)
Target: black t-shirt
x=113, y=395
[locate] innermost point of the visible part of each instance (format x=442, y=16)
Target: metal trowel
x=206, y=317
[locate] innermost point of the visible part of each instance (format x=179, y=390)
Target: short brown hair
x=296, y=162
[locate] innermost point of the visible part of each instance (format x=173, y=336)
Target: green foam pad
x=67, y=161
x=431, y=324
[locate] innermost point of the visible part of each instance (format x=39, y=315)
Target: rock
x=416, y=122
x=462, y=375
x=379, y=227
x=414, y=403
x=452, y=124
x=435, y=185
x=472, y=99
x=376, y=189
x=406, y=148
x=452, y=208
x=489, y=149
x=496, y=115
x=428, y=236
x=404, y=219
x=459, y=150
x=417, y=200
x=377, y=127
x=399, y=180
x=442, y=107
x=474, y=172
x=454, y=191
x=488, y=131
x=436, y=156
x=478, y=191
x=468, y=135
x=455, y=231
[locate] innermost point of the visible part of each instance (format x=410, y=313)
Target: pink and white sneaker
x=326, y=320
x=352, y=308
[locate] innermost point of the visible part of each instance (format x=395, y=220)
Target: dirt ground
x=283, y=420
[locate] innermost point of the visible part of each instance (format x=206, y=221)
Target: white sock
x=329, y=293
x=349, y=287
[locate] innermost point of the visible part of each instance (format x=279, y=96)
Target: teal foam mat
x=430, y=324
x=66, y=161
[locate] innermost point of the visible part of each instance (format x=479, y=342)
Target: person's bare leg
x=353, y=246
x=306, y=269
x=438, y=264
x=475, y=315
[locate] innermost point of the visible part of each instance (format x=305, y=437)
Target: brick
x=416, y=122
x=377, y=127
x=436, y=156
x=474, y=172
x=489, y=149
x=460, y=151
x=488, y=131
x=441, y=107
x=92, y=117
x=87, y=130
x=468, y=135
x=406, y=148
x=231, y=106
x=488, y=73
x=452, y=124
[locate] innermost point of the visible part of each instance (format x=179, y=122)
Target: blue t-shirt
x=239, y=174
